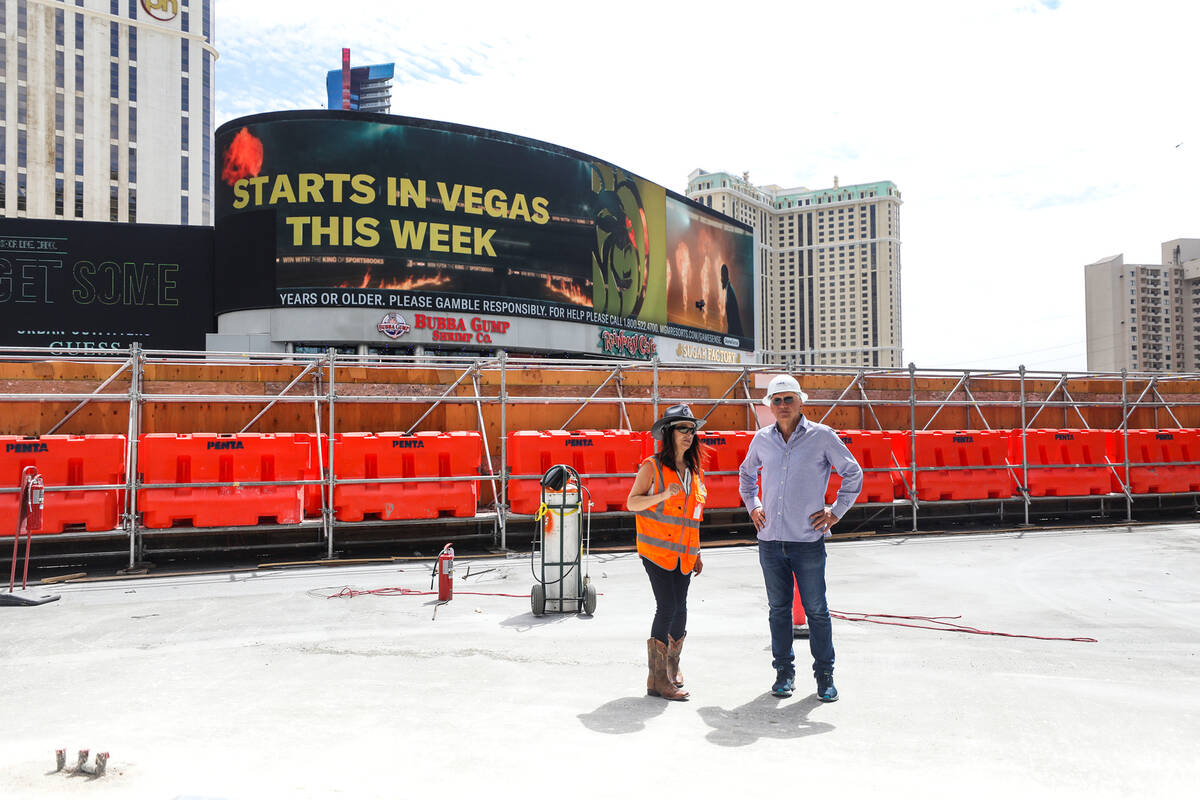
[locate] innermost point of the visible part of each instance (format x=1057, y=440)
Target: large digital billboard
x=78, y=286
x=336, y=209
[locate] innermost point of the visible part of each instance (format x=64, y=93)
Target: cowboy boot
x=661, y=687
x=674, y=648
x=650, y=675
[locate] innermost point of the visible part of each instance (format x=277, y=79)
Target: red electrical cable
x=395, y=590
x=937, y=623
x=880, y=619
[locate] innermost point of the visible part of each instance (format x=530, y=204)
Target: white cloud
x=1028, y=138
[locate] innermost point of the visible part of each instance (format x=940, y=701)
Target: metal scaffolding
x=486, y=386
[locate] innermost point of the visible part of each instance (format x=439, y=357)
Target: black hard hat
x=673, y=415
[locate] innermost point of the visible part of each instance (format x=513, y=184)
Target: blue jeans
x=670, y=597
x=781, y=561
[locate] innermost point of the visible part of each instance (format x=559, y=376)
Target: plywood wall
x=403, y=395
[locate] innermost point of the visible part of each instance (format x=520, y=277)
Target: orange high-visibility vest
x=669, y=532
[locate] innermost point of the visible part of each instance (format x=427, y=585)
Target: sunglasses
x=787, y=399
x=686, y=430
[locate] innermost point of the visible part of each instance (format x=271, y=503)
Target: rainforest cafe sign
x=614, y=342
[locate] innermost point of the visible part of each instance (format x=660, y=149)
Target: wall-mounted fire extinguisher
x=445, y=573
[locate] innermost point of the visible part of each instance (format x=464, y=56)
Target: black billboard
x=341, y=209
x=78, y=286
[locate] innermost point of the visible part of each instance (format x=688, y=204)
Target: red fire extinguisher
x=29, y=518
x=445, y=573
x=37, y=501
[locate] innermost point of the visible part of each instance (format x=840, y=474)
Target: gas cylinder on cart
x=445, y=573
x=560, y=546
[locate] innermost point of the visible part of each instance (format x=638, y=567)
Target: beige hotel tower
x=829, y=277
x=1145, y=317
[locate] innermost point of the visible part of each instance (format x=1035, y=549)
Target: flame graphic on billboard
x=408, y=284
x=567, y=288
x=243, y=157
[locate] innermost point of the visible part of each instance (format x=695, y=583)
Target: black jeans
x=670, y=594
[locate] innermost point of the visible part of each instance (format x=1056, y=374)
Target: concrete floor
x=255, y=685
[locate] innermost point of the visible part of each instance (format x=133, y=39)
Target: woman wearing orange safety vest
x=668, y=499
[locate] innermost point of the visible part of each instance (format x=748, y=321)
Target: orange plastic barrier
x=223, y=458
x=1053, y=456
x=1170, y=447
x=66, y=461
x=983, y=451
x=396, y=455
x=872, y=450
x=589, y=452
x=726, y=451
x=316, y=461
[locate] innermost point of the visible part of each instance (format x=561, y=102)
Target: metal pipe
x=1167, y=406
x=502, y=505
x=833, y=405
x=944, y=402
x=326, y=498
x=83, y=403
x=332, y=353
x=623, y=412
x=751, y=417
x=487, y=453
x=722, y=400
x=286, y=389
x=566, y=426
x=444, y=398
x=132, y=463
x=1024, y=455
x=1125, y=415
x=1048, y=400
x=912, y=430
x=654, y=390
x=1125, y=441
x=66, y=397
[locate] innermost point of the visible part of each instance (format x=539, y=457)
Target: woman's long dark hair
x=693, y=457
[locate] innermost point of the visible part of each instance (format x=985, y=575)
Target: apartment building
x=1145, y=317
x=106, y=110
x=829, y=276
x=360, y=88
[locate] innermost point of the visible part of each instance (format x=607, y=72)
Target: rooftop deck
x=251, y=684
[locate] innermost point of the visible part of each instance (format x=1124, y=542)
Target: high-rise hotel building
x=829, y=277
x=1145, y=317
x=106, y=110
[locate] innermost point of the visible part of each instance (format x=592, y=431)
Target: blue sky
x=1027, y=138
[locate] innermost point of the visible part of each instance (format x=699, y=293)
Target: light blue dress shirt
x=795, y=475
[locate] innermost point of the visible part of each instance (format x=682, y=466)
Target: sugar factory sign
x=700, y=352
x=624, y=344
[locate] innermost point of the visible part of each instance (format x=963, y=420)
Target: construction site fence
x=341, y=441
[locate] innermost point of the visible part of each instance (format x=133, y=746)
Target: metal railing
x=620, y=386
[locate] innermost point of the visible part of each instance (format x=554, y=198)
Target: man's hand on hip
x=823, y=520
x=758, y=517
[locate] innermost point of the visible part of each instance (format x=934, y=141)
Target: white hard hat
x=783, y=384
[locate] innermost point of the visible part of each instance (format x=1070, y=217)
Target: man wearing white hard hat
x=795, y=457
